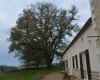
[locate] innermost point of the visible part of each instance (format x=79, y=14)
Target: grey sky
x=9, y=11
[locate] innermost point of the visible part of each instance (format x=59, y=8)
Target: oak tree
x=41, y=33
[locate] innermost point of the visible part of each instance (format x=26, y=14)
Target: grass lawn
x=33, y=74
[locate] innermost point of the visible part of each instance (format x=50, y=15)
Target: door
x=66, y=66
x=88, y=65
x=85, y=65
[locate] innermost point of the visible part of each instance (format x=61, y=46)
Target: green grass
x=33, y=74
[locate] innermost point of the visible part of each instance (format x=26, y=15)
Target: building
x=95, y=10
x=82, y=56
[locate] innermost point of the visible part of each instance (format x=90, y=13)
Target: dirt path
x=57, y=76
x=53, y=76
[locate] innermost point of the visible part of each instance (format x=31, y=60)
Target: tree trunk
x=49, y=62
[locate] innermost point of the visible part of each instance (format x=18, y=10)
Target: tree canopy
x=41, y=33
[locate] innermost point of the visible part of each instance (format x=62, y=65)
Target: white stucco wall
x=80, y=45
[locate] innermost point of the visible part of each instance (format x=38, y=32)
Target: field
x=31, y=74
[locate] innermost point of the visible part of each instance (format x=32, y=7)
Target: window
x=76, y=61
x=81, y=66
x=73, y=62
x=66, y=63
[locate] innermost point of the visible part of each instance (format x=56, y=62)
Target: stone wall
x=95, y=76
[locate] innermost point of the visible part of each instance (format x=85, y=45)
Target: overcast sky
x=9, y=11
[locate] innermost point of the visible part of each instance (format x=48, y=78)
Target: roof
x=84, y=28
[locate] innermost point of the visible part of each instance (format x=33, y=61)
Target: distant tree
x=41, y=33
x=1, y=68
